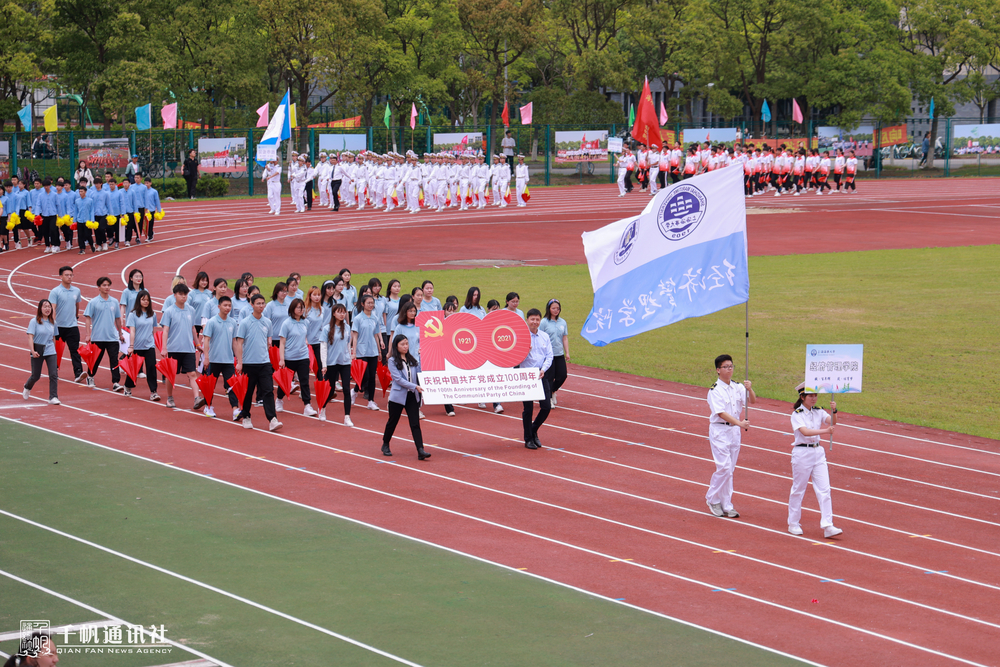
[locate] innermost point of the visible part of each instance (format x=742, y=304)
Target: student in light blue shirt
x=558, y=332
x=337, y=334
x=99, y=193
x=181, y=341
x=200, y=294
x=104, y=329
x=41, y=348
x=540, y=357
x=47, y=206
x=210, y=308
x=4, y=215
x=83, y=213
x=64, y=207
x=116, y=231
x=141, y=321
x=430, y=301
x=128, y=206
x=391, y=306
x=137, y=195
x=241, y=300
x=472, y=304
x=152, y=206
x=293, y=353
x=135, y=285
x=217, y=339
x=406, y=324
x=65, y=298
x=252, y=359
x=316, y=317
x=350, y=292
x=277, y=311
x=366, y=345
x=512, y=302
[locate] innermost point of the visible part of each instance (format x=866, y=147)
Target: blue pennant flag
x=142, y=120
x=278, y=130
x=765, y=113
x=684, y=256
x=932, y=108
x=25, y=115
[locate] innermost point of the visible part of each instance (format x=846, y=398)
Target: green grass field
x=407, y=598
x=927, y=318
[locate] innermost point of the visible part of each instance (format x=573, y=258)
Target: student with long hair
x=558, y=332
x=512, y=302
x=41, y=349
x=316, y=317
x=141, y=321
x=293, y=353
x=135, y=285
x=293, y=286
x=472, y=304
x=240, y=300
x=366, y=342
x=199, y=295
x=104, y=328
x=276, y=312
x=217, y=340
x=809, y=424
x=375, y=288
x=406, y=324
x=338, y=358
x=350, y=292
x=171, y=299
x=404, y=395
x=430, y=301
x=392, y=290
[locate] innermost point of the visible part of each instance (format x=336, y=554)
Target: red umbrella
x=283, y=378
x=158, y=340
x=313, y=361
x=384, y=377
x=239, y=384
x=168, y=367
x=207, y=385
x=60, y=347
x=89, y=354
x=130, y=365
x=273, y=353
x=322, y=392
x=357, y=371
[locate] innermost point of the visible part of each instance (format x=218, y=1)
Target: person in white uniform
x=324, y=174
x=726, y=400
x=272, y=178
x=521, y=178
x=809, y=424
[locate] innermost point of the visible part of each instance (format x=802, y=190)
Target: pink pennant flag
x=663, y=114
x=262, y=116
x=796, y=111
x=169, y=116
x=413, y=116
x=526, y=114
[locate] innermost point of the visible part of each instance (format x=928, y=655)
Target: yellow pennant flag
x=294, y=116
x=52, y=119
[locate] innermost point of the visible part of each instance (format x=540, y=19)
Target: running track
x=614, y=502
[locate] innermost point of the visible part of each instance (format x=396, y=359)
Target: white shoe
x=482, y=405
x=347, y=420
x=54, y=401
x=141, y=376
x=354, y=396
x=309, y=411
x=819, y=193
x=247, y=423
x=128, y=244
x=498, y=409
x=236, y=413
x=715, y=508
x=451, y=413
x=371, y=405
x=796, y=194
x=795, y=530
x=26, y=393
x=279, y=405
x=420, y=413
x=209, y=411
x=104, y=247
x=322, y=414
x=17, y=246
x=831, y=531
x=553, y=400
x=338, y=386
x=777, y=194
x=274, y=425
x=90, y=381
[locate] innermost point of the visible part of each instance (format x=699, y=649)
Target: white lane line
x=119, y=621
x=411, y=538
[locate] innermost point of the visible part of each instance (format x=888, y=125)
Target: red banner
x=344, y=122
x=891, y=136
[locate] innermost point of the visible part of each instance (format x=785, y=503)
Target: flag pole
x=746, y=405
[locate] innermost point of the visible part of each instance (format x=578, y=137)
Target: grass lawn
x=928, y=319
x=404, y=597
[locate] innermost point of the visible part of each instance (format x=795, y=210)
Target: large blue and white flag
x=684, y=256
x=277, y=131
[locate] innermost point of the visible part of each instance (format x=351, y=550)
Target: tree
x=593, y=27
x=24, y=34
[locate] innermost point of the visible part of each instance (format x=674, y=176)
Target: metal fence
x=556, y=154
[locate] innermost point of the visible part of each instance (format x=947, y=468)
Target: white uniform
x=464, y=182
x=809, y=460
x=623, y=164
x=654, y=171
x=521, y=179
x=413, y=188
x=324, y=171
x=482, y=178
x=297, y=175
x=272, y=178
x=724, y=439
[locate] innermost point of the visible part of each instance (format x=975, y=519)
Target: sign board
x=458, y=143
x=834, y=369
x=582, y=146
x=615, y=145
x=338, y=143
x=104, y=154
x=267, y=152
x=222, y=156
x=464, y=359
x=975, y=139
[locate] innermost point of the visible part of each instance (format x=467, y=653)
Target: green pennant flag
x=387, y=115
x=631, y=115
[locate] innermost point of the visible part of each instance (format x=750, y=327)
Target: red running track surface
x=614, y=502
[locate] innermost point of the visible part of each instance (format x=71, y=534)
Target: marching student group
x=390, y=181
x=764, y=168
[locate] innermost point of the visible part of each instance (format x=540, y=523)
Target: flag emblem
x=625, y=245
x=681, y=212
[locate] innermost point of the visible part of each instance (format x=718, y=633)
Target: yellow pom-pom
x=30, y=216
x=59, y=222
x=15, y=219
x=112, y=220
x=136, y=216
x=92, y=225
x=148, y=216
x=11, y=224
x=158, y=215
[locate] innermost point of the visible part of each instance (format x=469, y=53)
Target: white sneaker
x=26, y=393
x=309, y=411
x=553, y=400
x=142, y=376
x=128, y=244
x=54, y=401
x=715, y=508
x=338, y=386
x=371, y=405
x=17, y=246
x=236, y=413
x=322, y=414
x=796, y=194
x=819, y=193
x=831, y=531
x=482, y=405
x=90, y=381
x=209, y=411
x=104, y=247
x=499, y=409
x=421, y=414
x=777, y=194
x=354, y=397
x=279, y=405
x=247, y=423
x=795, y=530
x=117, y=387
x=274, y=425
x=347, y=420
x=451, y=413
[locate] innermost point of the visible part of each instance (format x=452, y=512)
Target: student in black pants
x=404, y=395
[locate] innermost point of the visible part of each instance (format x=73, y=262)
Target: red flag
x=239, y=384
x=505, y=116
x=647, y=126
x=322, y=393
x=60, y=348
x=207, y=385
